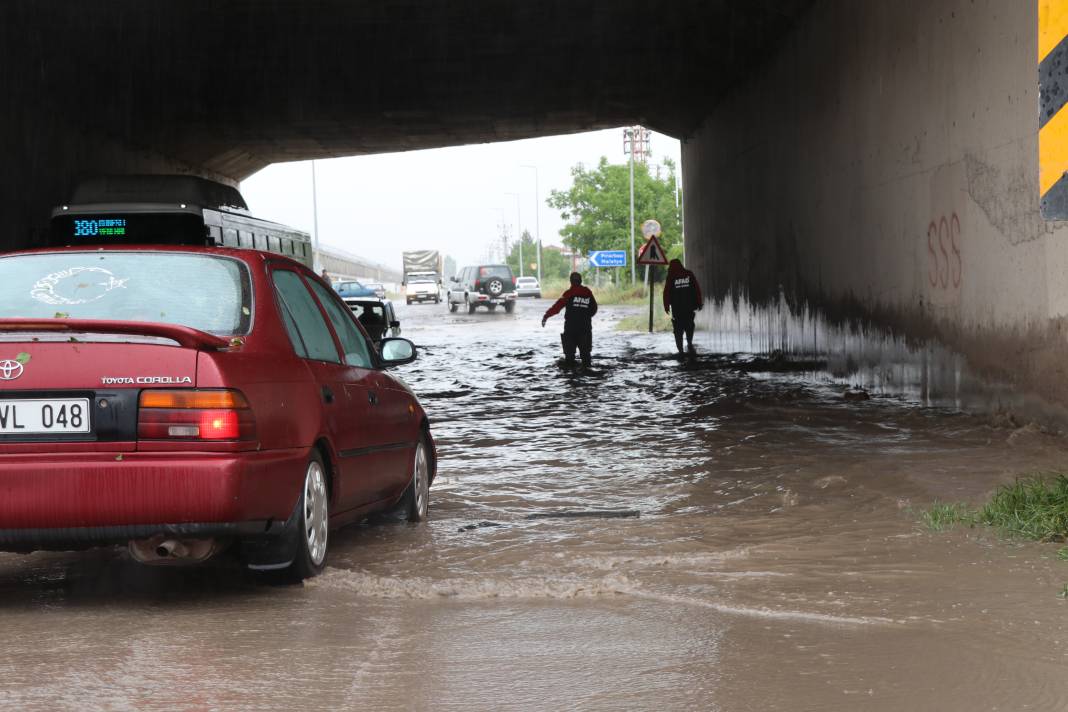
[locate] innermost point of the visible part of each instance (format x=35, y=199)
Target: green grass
x=640, y=322
x=606, y=294
x=1033, y=507
x=946, y=515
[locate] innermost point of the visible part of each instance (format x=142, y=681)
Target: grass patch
x=607, y=294
x=640, y=322
x=946, y=515
x=1034, y=507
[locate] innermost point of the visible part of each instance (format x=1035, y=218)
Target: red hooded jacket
x=682, y=293
x=581, y=307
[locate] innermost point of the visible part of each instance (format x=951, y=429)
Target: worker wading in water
x=682, y=297
x=579, y=306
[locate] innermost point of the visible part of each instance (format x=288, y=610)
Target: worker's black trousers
x=577, y=340
x=682, y=323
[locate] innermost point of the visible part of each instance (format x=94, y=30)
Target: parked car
x=352, y=288
x=528, y=287
x=421, y=289
x=377, y=317
x=487, y=286
x=378, y=288
x=252, y=411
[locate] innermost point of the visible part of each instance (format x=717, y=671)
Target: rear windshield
x=495, y=271
x=200, y=291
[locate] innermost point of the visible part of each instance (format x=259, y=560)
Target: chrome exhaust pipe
x=172, y=549
x=159, y=550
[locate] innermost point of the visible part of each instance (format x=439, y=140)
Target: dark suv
x=483, y=286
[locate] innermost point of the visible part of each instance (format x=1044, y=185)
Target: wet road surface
x=775, y=562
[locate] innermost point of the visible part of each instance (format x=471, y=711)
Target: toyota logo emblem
x=10, y=370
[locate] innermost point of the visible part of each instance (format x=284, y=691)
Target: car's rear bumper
x=52, y=501
x=486, y=299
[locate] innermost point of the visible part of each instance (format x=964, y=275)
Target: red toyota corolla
x=182, y=399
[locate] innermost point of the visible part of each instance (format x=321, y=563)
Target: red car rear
x=182, y=399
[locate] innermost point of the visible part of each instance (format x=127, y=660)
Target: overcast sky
x=451, y=199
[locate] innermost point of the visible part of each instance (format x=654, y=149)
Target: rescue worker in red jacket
x=580, y=306
x=682, y=297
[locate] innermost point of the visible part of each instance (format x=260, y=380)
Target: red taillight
x=194, y=415
x=477, y=283
x=513, y=281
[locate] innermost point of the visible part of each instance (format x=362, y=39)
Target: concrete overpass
x=341, y=264
x=844, y=162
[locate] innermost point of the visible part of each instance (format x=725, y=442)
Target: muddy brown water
x=776, y=562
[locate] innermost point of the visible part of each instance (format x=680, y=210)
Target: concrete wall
x=881, y=168
x=45, y=156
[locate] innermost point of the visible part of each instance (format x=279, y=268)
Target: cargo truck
x=422, y=276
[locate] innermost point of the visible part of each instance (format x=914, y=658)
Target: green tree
x=597, y=207
x=553, y=264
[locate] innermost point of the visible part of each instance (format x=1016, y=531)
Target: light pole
x=537, y=213
x=316, y=259
x=629, y=140
x=518, y=232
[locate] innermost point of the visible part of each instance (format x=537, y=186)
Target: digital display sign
x=122, y=228
x=99, y=227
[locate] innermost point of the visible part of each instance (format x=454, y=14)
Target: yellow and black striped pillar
x=1053, y=116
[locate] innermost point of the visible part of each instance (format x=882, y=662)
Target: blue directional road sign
x=608, y=258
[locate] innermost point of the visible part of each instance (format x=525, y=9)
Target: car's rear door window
x=313, y=337
x=502, y=271
x=352, y=341
x=205, y=292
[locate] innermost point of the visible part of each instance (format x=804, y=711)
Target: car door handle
x=328, y=395
x=372, y=397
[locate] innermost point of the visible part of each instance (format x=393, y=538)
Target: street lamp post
x=316, y=259
x=537, y=218
x=629, y=135
x=518, y=232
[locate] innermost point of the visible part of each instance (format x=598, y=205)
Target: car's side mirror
x=396, y=351
x=454, y=279
x=394, y=324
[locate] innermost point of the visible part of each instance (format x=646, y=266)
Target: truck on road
x=422, y=276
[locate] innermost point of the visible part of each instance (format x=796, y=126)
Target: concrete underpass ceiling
x=230, y=86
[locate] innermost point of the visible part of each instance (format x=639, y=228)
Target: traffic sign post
x=651, y=254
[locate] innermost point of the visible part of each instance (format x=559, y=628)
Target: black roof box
x=164, y=189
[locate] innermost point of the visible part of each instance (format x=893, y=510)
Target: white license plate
x=36, y=416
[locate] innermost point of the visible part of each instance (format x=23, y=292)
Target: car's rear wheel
x=509, y=307
x=415, y=502
x=452, y=304
x=314, y=523
x=471, y=307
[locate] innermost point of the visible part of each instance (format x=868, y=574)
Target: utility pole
x=635, y=144
x=537, y=216
x=316, y=261
x=629, y=148
x=518, y=232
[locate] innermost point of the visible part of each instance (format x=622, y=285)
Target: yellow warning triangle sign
x=652, y=253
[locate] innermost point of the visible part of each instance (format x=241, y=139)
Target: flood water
x=759, y=549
